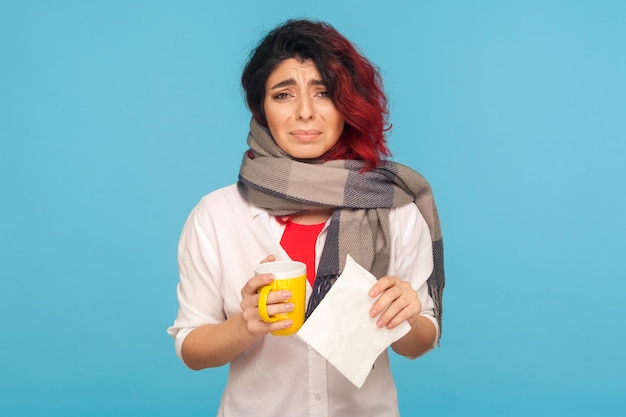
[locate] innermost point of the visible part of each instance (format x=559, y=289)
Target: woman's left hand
x=397, y=301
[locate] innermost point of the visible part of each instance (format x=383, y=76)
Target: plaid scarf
x=274, y=181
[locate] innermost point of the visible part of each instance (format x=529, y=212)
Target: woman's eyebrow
x=290, y=81
x=284, y=83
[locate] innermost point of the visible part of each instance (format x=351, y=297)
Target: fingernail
x=289, y=307
x=287, y=323
x=373, y=313
x=286, y=294
x=380, y=323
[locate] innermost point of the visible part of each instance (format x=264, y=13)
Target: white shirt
x=221, y=242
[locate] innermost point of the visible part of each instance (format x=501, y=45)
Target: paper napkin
x=341, y=329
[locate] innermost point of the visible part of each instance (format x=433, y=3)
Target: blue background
x=116, y=117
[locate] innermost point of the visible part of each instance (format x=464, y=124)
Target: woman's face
x=300, y=115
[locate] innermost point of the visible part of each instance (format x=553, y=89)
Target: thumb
x=268, y=258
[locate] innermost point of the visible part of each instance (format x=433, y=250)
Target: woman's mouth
x=305, y=134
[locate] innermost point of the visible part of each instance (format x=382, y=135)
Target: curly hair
x=353, y=82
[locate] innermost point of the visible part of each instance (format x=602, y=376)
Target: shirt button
x=318, y=397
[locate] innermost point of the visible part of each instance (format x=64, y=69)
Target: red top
x=299, y=242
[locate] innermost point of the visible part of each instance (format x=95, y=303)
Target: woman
x=314, y=186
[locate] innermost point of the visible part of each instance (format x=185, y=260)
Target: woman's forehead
x=291, y=72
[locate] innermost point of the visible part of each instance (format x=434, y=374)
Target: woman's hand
x=397, y=302
x=275, y=304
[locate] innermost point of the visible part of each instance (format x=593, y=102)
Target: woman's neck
x=312, y=216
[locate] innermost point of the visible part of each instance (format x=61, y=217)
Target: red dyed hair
x=353, y=82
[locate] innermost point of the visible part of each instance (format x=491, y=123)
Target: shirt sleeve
x=199, y=289
x=413, y=255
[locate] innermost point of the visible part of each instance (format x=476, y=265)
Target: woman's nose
x=305, y=110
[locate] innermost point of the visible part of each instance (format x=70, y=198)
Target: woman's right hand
x=275, y=304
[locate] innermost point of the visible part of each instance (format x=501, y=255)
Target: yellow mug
x=288, y=275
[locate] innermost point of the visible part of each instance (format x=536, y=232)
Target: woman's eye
x=281, y=96
x=324, y=93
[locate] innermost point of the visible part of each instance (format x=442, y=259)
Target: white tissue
x=341, y=329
